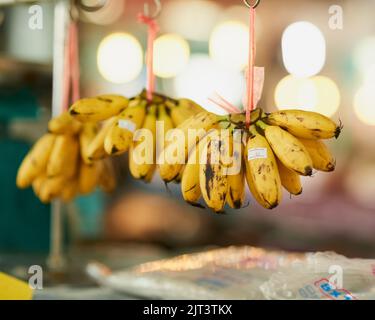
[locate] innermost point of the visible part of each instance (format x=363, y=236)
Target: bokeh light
x=318, y=93
x=364, y=104
x=229, y=44
x=202, y=77
x=303, y=49
x=171, y=55
x=194, y=20
x=120, y=58
x=364, y=54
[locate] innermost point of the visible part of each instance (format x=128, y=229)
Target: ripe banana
x=261, y=171
x=51, y=188
x=95, y=150
x=107, y=177
x=165, y=120
x=290, y=180
x=183, y=109
x=120, y=135
x=89, y=175
x=201, y=123
x=64, y=157
x=321, y=157
x=38, y=182
x=64, y=124
x=35, y=161
x=236, y=182
x=305, y=124
x=290, y=151
x=69, y=191
x=213, y=177
x=142, y=151
x=98, y=108
x=190, y=186
x=88, y=133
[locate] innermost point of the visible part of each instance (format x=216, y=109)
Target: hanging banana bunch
x=273, y=152
x=60, y=166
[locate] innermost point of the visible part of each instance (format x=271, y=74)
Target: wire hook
x=146, y=10
x=100, y=5
x=246, y=2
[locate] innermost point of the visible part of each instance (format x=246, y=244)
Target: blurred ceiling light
x=328, y=96
x=120, y=58
x=202, y=77
x=109, y=14
x=364, y=54
x=303, y=48
x=364, y=104
x=298, y=93
x=229, y=44
x=319, y=94
x=370, y=74
x=171, y=55
x=193, y=19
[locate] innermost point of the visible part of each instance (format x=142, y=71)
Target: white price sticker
x=257, y=153
x=127, y=124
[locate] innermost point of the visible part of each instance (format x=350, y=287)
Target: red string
x=224, y=104
x=153, y=29
x=74, y=58
x=250, y=75
x=71, y=67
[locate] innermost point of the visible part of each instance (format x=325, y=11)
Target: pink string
x=74, y=58
x=224, y=104
x=71, y=67
x=250, y=75
x=153, y=29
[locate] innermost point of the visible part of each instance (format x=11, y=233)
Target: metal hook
x=146, y=10
x=251, y=5
x=99, y=6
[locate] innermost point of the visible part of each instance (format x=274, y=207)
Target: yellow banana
x=183, y=109
x=213, y=177
x=51, y=188
x=305, y=124
x=107, y=176
x=142, y=151
x=38, y=182
x=95, y=149
x=64, y=124
x=120, y=134
x=290, y=151
x=35, y=161
x=69, y=191
x=190, y=186
x=236, y=181
x=64, y=157
x=89, y=176
x=261, y=171
x=201, y=122
x=98, y=108
x=320, y=155
x=290, y=180
x=164, y=119
x=88, y=133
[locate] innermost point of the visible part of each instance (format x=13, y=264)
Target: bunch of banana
x=59, y=165
x=276, y=150
x=141, y=129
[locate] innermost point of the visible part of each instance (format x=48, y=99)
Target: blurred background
x=318, y=55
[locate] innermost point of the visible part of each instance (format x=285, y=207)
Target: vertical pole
x=56, y=259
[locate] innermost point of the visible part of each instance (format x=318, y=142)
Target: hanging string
x=250, y=70
x=71, y=67
x=223, y=103
x=153, y=29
